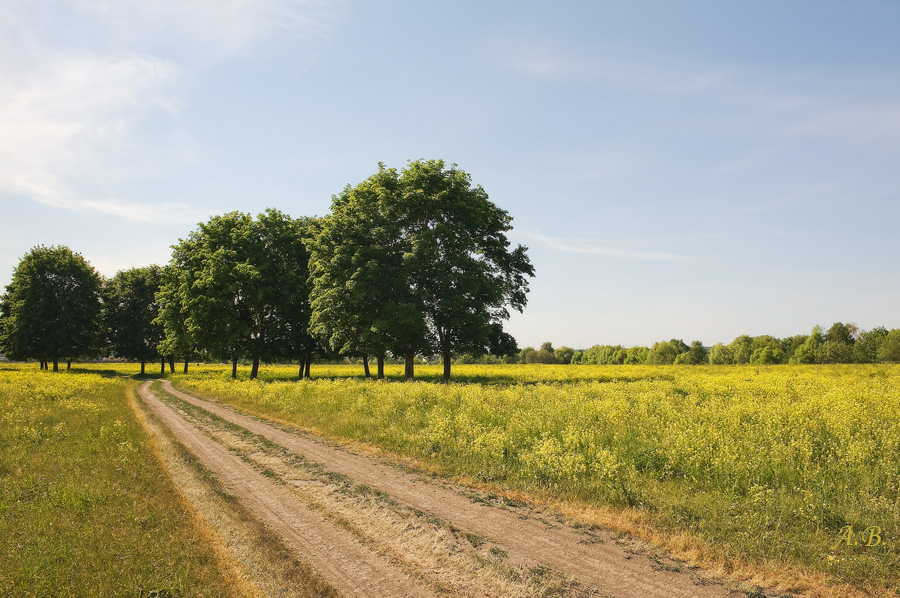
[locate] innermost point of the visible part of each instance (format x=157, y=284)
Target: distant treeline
x=842, y=343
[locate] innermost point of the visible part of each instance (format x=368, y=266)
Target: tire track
x=336, y=555
x=603, y=565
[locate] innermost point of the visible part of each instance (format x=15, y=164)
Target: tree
x=361, y=298
x=808, y=351
x=129, y=313
x=865, y=349
x=637, y=355
x=890, y=347
x=459, y=260
x=665, y=352
x=720, y=354
x=416, y=262
x=172, y=315
x=564, y=355
x=767, y=355
x=841, y=333
x=244, y=287
x=741, y=348
x=51, y=309
x=695, y=355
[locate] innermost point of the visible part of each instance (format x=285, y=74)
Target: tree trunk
x=300, y=369
x=162, y=366
x=308, y=366
x=55, y=364
x=234, y=368
x=366, y=366
x=409, y=366
x=69, y=364
x=171, y=364
x=381, y=367
x=447, y=366
x=185, y=365
x=254, y=371
x=142, y=367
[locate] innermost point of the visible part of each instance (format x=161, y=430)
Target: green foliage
x=361, y=298
x=767, y=355
x=808, y=352
x=890, y=347
x=461, y=266
x=129, y=313
x=665, y=352
x=242, y=285
x=51, y=309
x=741, y=349
x=417, y=261
x=695, y=355
x=865, y=349
x=720, y=354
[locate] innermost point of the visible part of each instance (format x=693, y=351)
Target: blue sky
x=693, y=170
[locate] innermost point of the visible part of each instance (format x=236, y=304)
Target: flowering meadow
x=788, y=464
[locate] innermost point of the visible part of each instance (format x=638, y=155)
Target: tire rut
x=351, y=568
x=528, y=542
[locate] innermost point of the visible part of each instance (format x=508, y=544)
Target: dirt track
x=349, y=548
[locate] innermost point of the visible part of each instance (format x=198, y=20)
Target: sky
x=694, y=170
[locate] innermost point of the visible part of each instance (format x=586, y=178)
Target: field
x=783, y=474
x=748, y=467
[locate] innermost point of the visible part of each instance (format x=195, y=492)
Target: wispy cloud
x=77, y=84
x=60, y=117
x=218, y=28
x=851, y=106
x=583, y=247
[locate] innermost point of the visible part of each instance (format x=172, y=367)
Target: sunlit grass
x=86, y=508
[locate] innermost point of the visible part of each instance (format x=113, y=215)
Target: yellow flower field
x=772, y=462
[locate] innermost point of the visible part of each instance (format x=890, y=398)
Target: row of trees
x=407, y=263
x=841, y=343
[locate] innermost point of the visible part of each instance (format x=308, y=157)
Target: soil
x=459, y=546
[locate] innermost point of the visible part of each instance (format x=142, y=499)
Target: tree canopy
x=51, y=309
x=129, y=312
x=241, y=284
x=417, y=261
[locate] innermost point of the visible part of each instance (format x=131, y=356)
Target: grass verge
x=86, y=507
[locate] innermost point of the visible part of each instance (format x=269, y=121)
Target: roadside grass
x=757, y=472
x=86, y=508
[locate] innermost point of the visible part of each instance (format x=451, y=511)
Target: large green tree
x=129, y=313
x=242, y=288
x=460, y=264
x=417, y=262
x=51, y=309
x=361, y=299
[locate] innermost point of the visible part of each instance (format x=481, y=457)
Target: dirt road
x=374, y=530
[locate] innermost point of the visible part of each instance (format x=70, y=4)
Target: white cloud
x=60, y=117
x=579, y=246
x=79, y=79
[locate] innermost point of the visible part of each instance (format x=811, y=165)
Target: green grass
x=86, y=508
